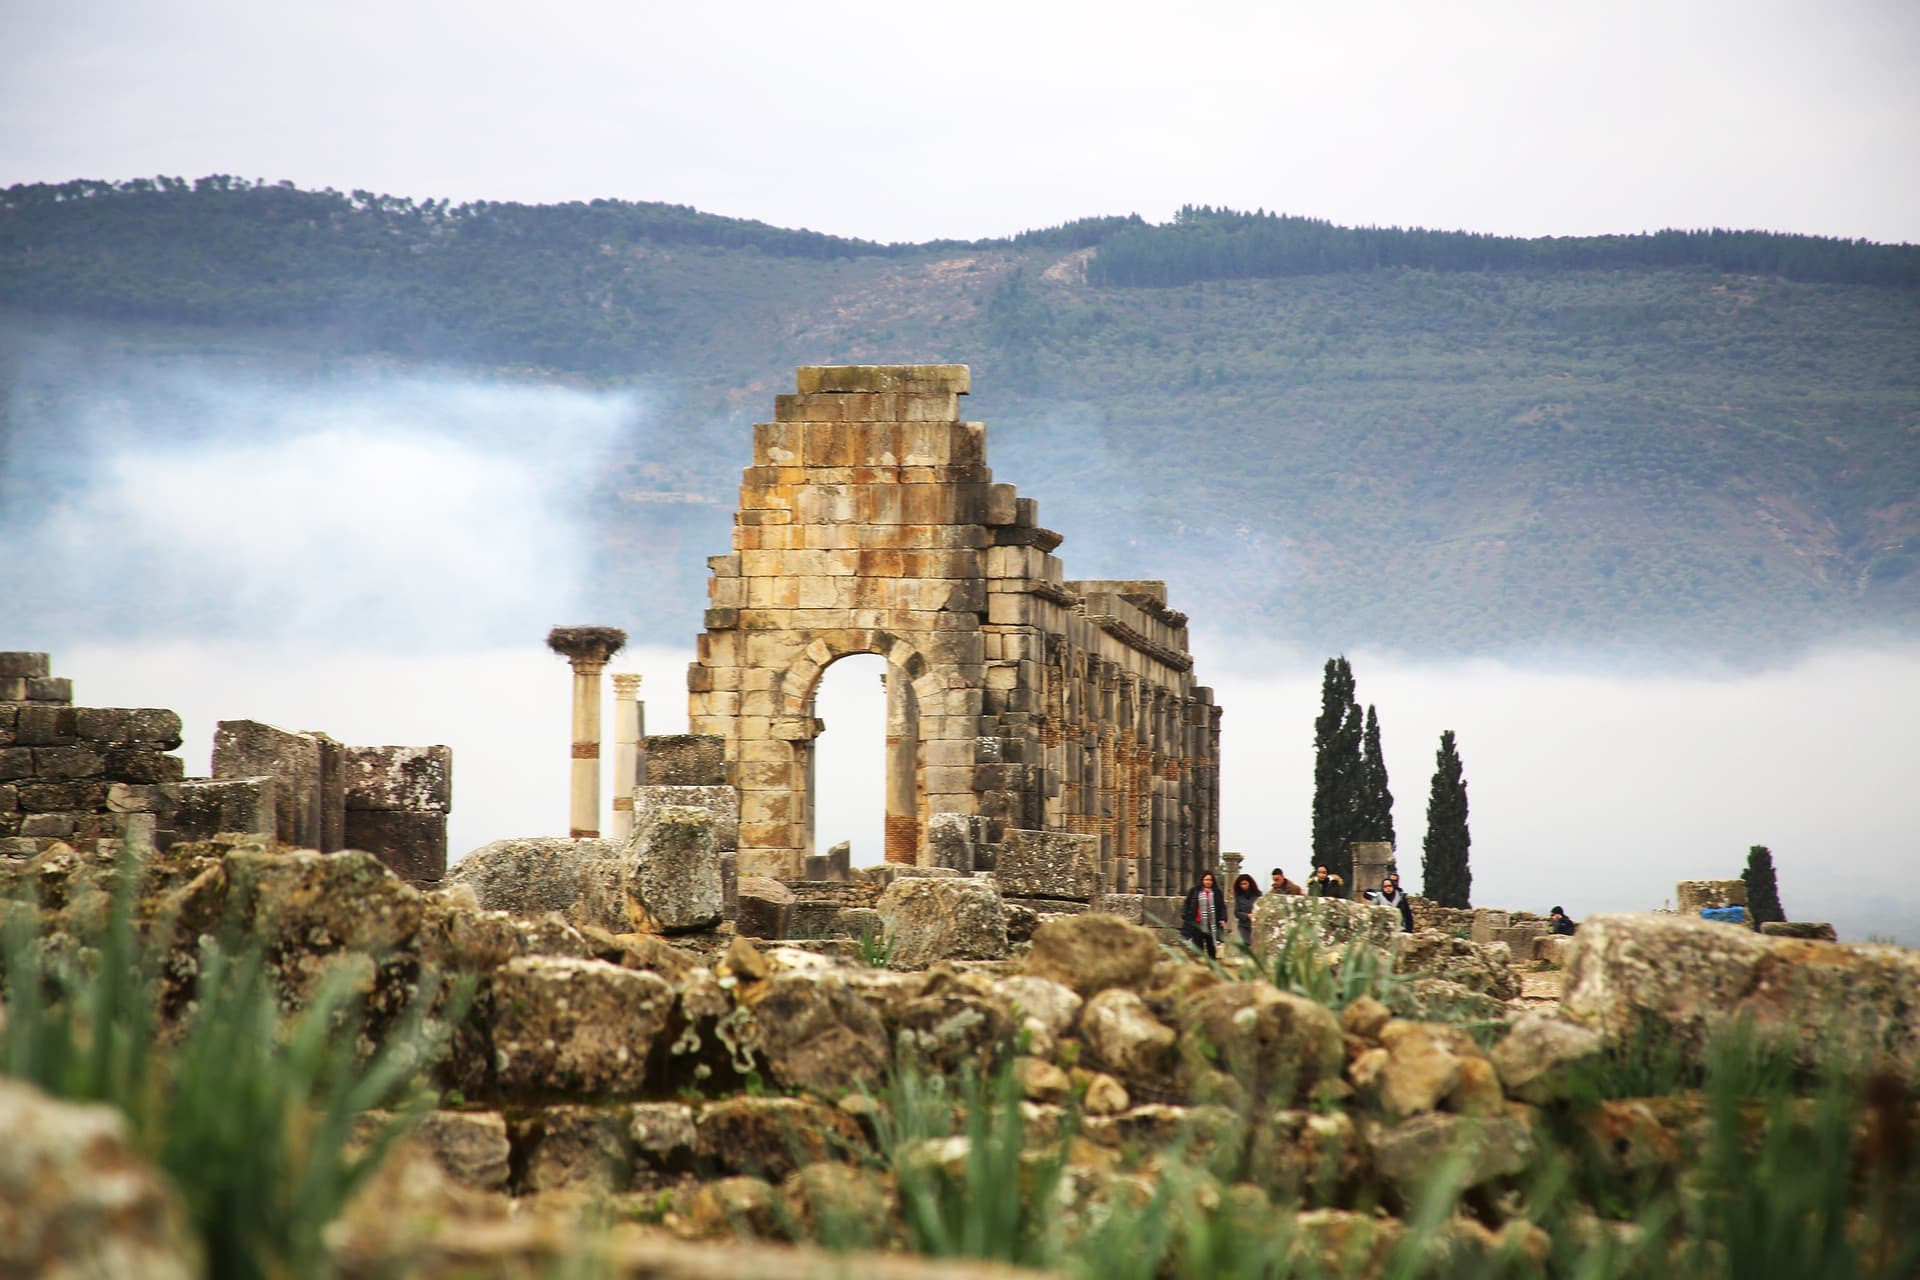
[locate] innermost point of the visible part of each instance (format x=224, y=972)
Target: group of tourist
x=1203, y=916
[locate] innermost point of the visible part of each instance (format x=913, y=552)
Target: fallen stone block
x=207, y=807
x=675, y=872
x=765, y=908
x=938, y=918
x=1690, y=978
x=530, y=876
x=1330, y=922
x=722, y=802
x=1090, y=953
x=1813, y=931
x=1049, y=864
x=250, y=749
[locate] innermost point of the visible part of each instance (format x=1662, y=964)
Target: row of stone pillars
x=588, y=650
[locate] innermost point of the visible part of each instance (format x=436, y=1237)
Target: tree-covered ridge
x=1204, y=243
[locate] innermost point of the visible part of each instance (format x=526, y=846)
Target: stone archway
x=870, y=523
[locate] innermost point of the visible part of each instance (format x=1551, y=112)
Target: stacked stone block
x=79, y=774
x=394, y=804
x=870, y=523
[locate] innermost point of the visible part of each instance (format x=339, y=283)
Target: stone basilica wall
x=869, y=522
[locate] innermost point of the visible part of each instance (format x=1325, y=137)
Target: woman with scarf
x=1203, y=915
x=1245, y=894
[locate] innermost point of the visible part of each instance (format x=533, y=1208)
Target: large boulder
x=931, y=918
x=529, y=877
x=1329, y=922
x=1042, y=1009
x=1692, y=977
x=673, y=865
x=581, y=1027
x=1476, y=1149
x=77, y=1201
x=1539, y=1057
x=1276, y=1045
x=1127, y=1039
x=1092, y=952
x=1483, y=967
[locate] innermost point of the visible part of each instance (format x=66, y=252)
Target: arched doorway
x=850, y=758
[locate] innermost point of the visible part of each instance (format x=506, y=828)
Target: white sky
x=913, y=121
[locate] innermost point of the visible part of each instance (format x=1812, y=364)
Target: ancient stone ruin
x=102, y=777
x=1045, y=727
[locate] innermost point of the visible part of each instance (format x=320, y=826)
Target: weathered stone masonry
x=869, y=522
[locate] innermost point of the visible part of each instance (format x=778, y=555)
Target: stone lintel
x=815, y=379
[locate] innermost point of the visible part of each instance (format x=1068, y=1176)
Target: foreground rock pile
x=705, y=1087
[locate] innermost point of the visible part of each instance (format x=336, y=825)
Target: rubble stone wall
x=80, y=774
x=870, y=522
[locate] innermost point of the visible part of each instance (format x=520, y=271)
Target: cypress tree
x=1444, y=874
x=1763, y=891
x=1337, y=770
x=1376, y=813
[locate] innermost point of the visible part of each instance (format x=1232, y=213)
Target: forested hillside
x=1684, y=443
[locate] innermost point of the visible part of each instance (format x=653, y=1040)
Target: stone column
x=626, y=750
x=587, y=650
x=1371, y=861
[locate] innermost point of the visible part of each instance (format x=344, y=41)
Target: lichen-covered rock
x=529, y=876
x=815, y=1033
x=1425, y=999
x=1330, y=922
x=345, y=901
x=1274, y=1044
x=930, y=918
x=561, y=1147
x=1306, y=1155
x=765, y=908
x=1538, y=1055
x=1410, y=1154
x=1093, y=952
x=955, y=1020
x=1049, y=864
x=674, y=863
x=771, y=1137
x=1420, y=1068
x=470, y=1147
x=581, y=1027
x=741, y=1206
x=1691, y=977
x=1125, y=1037
x=77, y=1202
x=1043, y=1009
x=1483, y=967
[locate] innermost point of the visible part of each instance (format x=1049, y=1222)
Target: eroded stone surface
x=943, y=918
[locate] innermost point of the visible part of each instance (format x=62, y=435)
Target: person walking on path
x=1245, y=894
x=1283, y=885
x=1203, y=915
x=1324, y=884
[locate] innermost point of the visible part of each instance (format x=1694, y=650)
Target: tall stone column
x=627, y=731
x=586, y=649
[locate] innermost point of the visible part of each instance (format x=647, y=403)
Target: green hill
x=1683, y=443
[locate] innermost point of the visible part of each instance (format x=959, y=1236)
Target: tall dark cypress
x=1376, y=812
x=1763, y=891
x=1444, y=874
x=1336, y=770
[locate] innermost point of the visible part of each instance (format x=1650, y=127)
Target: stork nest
x=586, y=642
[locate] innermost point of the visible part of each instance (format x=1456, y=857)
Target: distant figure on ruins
x=1560, y=924
x=1390, y=894
x=1203, y=916
x=1245, y=894
x=1283, y=885
x=1324, y=884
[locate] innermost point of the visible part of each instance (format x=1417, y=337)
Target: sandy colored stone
x=931, y=918
x=575, y=1026
x=1092, y=952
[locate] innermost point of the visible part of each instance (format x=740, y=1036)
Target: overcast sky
x=912, y=121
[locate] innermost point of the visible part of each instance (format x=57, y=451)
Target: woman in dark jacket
x=1245, y=894
x=1203, y=915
